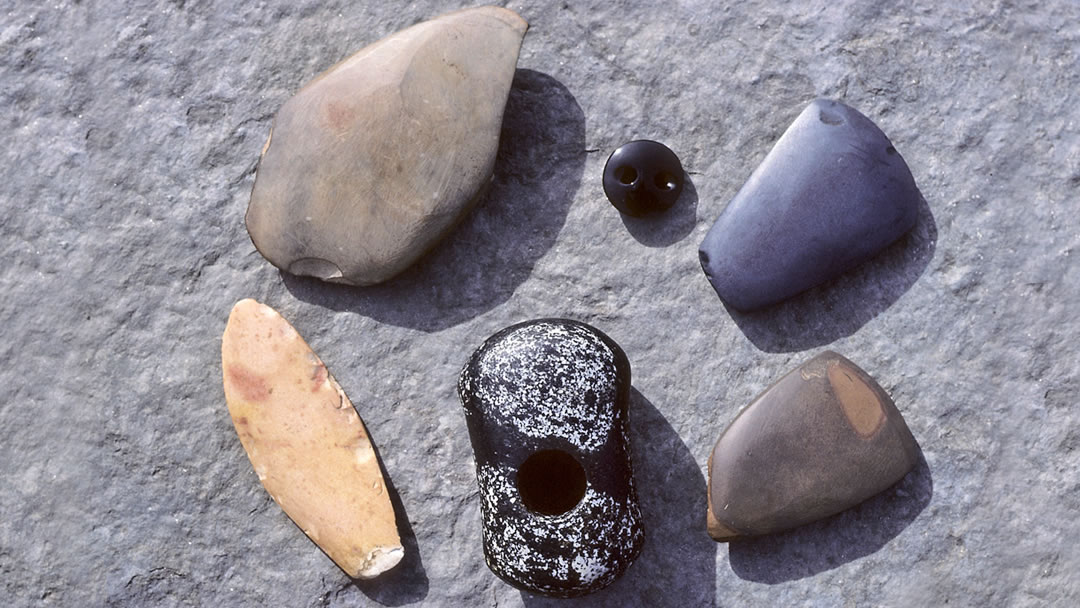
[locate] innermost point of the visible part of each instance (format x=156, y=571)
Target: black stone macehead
x=546, y=405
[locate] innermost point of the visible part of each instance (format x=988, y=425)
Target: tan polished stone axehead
x=374, y=161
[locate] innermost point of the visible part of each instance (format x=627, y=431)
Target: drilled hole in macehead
x=551, y=482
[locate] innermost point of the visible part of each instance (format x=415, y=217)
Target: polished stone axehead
x=374, y=161
x=822, y=439
x=831, y=194
x=305, y=441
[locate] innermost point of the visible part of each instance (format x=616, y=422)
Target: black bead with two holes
x=643, y=177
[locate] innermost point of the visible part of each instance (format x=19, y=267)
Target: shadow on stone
x=839, y=307
x=538, y=171
x=407, y=582
x=834, y=541
x=669, y=227
x=677, y=566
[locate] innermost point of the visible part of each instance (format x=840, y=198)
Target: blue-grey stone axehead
x=831, y=194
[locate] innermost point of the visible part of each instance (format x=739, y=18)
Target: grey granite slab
x=130, y=135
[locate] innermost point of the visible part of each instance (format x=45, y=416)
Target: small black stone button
x=643, y=177
x=546, y=403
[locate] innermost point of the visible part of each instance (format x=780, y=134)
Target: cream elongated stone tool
x=306, y=442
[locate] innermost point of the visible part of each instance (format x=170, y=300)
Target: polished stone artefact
x=831, y=194
x=643, y=177
x=822, y=439
x=546, y=404
x=306, y=442
x=377, y=159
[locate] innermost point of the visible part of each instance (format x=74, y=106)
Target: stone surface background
x=130, y=136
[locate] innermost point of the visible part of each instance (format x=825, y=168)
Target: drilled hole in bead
x=626, y=175
x=551, y=482
x=664, y=181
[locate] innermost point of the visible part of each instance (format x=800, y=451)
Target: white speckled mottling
x=527, y=398
x=589, y=566
x=597, y=538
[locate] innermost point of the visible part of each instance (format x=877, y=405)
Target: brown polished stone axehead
x=823, y=438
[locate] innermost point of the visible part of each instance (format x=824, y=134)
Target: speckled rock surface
x=130, y=134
